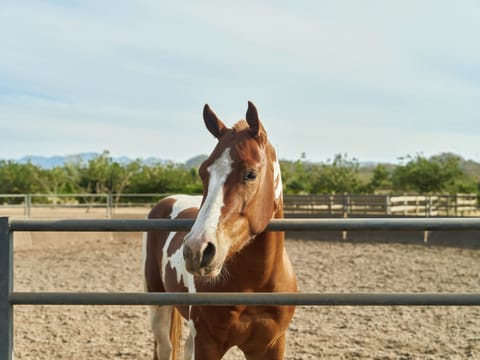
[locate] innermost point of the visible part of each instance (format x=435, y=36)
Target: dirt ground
x=112, y=263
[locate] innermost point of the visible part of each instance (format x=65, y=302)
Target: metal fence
x=9, y=298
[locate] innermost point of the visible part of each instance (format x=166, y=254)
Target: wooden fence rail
x=343, y=205
x=382, y=205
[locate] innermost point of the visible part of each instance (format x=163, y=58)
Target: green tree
x=380, y=180
x=337, y=176
x=296, y=177
x=165, y=178
x=20, y=178
x=103, y=175
x=440, y=173
x=419, y=174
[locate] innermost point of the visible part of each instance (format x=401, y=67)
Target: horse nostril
x=208, y=255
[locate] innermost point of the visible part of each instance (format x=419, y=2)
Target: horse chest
x=240, y=326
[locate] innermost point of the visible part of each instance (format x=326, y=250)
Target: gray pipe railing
x=348, y=224
x=9, y=298
x=253, y=299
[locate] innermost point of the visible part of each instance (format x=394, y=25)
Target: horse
x=226, y=250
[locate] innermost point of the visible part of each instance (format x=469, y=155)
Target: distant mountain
x=196, y=161
x=49, y=162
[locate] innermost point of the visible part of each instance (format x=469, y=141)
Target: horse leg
x=190, y=346
x=160, y=321
x=200, y=346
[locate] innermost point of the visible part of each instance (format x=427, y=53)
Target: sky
x=375, y=80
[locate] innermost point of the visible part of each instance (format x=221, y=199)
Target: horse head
x=242, y=191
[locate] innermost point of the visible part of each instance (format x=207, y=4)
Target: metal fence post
x=6, y=286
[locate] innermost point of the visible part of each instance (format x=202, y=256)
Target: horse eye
x=250, y=175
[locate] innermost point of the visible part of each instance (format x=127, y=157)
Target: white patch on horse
x=181, y=203
x=277, y=179
x=183, y=276
x=209, y=215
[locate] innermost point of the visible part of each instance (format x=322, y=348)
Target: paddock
x=121, y=332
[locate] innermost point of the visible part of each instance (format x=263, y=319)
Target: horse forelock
x=240, y=125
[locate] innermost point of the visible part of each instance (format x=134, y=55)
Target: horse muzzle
x=200, y=258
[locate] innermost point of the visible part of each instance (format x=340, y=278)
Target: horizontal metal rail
x=258, y=299
x=9, y=298
x=377, y=224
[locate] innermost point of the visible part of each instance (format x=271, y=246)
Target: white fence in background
x=345, y=205
x=348, y=205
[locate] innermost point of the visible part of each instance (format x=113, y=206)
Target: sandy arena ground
x=96, y=262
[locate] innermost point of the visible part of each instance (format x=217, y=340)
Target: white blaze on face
x=205, y=226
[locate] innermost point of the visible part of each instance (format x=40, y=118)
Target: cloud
x=359, y=71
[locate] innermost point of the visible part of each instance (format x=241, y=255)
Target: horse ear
x=212, y=122
x=254, y=122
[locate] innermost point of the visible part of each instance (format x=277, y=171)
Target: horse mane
x=240, y=125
